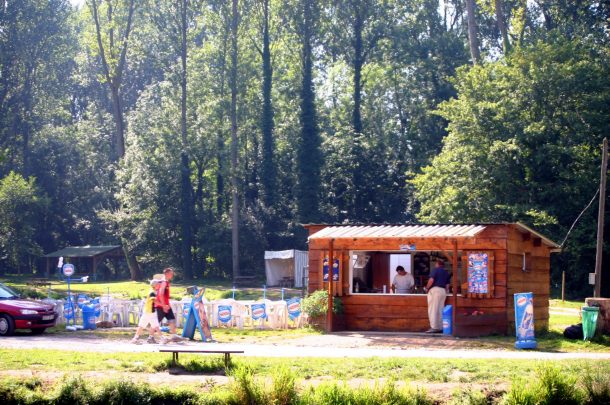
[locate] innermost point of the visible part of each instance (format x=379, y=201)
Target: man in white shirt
x=403, y=282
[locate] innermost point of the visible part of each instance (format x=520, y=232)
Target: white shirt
x=404, y=283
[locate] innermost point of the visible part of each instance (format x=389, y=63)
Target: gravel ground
x=335, y=345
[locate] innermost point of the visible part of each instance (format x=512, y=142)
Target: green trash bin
x=589, y=321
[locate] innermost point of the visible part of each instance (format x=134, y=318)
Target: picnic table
x=176, y=350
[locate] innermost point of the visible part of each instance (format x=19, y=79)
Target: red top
x=162, y=295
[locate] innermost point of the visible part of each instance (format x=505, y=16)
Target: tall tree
x=185, y=170
x=113, y=56
x=234, y=141
x=309, y=155
x=268, y=169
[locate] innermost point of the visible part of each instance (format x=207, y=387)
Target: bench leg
x=227, y=359
x=174, y=358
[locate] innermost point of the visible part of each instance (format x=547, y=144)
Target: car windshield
x=6, y=293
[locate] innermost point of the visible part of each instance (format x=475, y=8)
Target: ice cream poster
x=524, y=316
x=478, y=273
x=335, y=269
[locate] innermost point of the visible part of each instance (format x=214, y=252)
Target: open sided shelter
x=91, y=256
x=488, y=263
x=284, y=268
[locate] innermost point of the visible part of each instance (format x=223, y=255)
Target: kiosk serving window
x=372, y=272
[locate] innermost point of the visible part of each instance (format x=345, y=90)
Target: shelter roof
x=416, y=231
x=282, y=254
x=82, y=251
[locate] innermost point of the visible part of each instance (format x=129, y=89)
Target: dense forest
x=199, y=133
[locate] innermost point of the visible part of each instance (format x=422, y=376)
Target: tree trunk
x=117, y=113
x=132, y=263
x=220, y=140
x=501, y=20
x=473, y=32
x=234, y=174
x=185, y=171
x=269, y=172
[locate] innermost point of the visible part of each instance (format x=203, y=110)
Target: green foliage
x=284, y=387
x=20, y=206
x=468, y=396
x=345, y=117
x=552, y=386
x=316, y=304
x=337, y=394
x=523, y=145
x=244, y=387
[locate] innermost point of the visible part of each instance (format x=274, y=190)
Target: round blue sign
x=68, y=269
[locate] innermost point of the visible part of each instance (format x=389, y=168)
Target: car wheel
x=7, y=325
x=38, y=331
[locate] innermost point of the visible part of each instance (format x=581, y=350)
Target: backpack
x=573, y=332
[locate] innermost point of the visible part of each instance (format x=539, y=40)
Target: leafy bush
x=244, y=387
x=551, y=387
x=597, y=387
x=316, y=304
x=284, y=389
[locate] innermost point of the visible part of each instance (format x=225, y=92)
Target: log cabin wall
x=532, y=274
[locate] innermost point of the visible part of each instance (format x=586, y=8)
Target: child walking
x=149, y=318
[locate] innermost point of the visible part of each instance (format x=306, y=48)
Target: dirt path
x=336, y=345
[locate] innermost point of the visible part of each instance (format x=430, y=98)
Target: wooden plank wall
x=536, y=279
x=387, y=312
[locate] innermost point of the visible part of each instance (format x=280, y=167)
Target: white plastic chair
x=238, y=312
x=135, y=311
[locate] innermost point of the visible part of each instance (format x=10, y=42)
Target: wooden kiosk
x=488, y=263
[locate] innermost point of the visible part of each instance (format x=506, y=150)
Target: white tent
x=284, y=265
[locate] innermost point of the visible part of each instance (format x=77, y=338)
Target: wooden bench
x=244, y=281
x=39, y=282
x=175, y=352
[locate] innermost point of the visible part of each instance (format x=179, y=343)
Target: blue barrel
x=88, y=317
x=447, y=320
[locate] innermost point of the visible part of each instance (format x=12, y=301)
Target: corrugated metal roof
x=82, y=251
x=417, y=231
x=399, y=231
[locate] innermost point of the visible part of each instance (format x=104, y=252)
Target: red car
x=17, y=313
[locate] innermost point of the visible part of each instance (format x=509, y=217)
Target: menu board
x=478, y=273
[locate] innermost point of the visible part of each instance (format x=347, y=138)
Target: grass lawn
x=487, y=375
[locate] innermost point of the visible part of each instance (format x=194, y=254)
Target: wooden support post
x=331, y=262
x=563, y=286
x=454, y=279
x=600, y=220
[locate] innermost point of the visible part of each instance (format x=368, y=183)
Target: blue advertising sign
x=69, y=310
x=335, y=269
x=224, y=313
x=478, y=273
x=258, y=311
x=524, y=321
x=97, y=307
x=68, y=269
x=294, y=307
